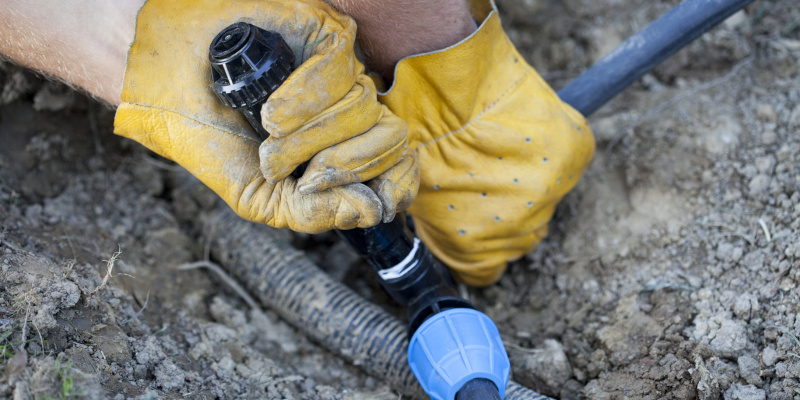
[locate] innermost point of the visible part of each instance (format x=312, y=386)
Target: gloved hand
x=326, y=111
x=498, y=150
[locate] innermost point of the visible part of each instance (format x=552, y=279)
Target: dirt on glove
x=670, y=272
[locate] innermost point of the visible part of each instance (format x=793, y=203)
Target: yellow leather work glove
x=498, y=150
x=326, y=112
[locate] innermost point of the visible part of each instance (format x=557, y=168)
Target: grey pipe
x=286, y=281
x=644, y=50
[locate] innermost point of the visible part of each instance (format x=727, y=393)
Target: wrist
x=389, y=30
x=82, y=43
x=107, y=51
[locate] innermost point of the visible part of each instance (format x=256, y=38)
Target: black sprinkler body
x=248, y=65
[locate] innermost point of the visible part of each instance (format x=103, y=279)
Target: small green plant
x=252, y=389
x=66, y=375
x=791, y=335
x=6, y=347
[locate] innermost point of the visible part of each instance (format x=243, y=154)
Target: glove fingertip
x=270, y=174
x=306, y=189
x=268, y=120
x=385, y=192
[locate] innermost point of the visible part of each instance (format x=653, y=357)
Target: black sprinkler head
x=247, y=65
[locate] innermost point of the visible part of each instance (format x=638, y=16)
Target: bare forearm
x=389, y=30
x=83, y=43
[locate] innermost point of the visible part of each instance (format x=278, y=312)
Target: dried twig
x=110, y=267
x=41, y=339
x=25, y=326
x=10, y=245
x=765, y=229
x=225, y=278
x=141, y=310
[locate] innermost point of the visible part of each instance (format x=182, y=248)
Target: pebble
x=749, y=369
x=745, y=306
x=729, y=252
x=744, y=392
x=754, y=260
x=169, y=376
x=766, y=164
x=766, y=112
x=769, y=356
x=759, y=185
x=547, y=368
x=730, y=339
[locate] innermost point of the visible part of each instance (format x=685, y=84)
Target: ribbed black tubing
x=284, y=280
x=644, y=50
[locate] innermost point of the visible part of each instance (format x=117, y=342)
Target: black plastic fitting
x=247, y=65
x=478, y=389
x=407, y=270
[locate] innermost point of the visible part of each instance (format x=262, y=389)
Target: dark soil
x=670, y=272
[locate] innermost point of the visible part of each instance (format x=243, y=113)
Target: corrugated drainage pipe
x=286, y=281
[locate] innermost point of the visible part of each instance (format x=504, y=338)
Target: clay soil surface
x=671, y=271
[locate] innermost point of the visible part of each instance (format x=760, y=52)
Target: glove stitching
x=489, y=107
x=216, y=128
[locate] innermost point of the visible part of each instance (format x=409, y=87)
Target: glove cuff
x=462, y=81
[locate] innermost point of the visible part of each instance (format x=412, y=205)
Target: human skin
x=85, y=42
x=389, y=30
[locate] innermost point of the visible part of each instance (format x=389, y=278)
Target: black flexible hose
x=286, y=281
x=644, y=50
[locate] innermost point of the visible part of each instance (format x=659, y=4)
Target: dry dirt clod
x=657, y=279
x=544, y=369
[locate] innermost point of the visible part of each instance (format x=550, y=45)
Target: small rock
x=754, y=260
x=769, y=356
x=745, y=306
x=736, y=20
x=759, y=185
x=749, y=369
x=729, y=252
x=545, y=370
x=15, y=86
x=769, y=137
x=730, y=338
x=571, y=390
x=708, y=384
x=169, y=376
x=224, y=368
x=766, y=164
x=53, y=97
x=744, y=392
x=149, y=351
x=766, y=112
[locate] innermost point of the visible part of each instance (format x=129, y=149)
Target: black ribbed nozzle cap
x=248, y=64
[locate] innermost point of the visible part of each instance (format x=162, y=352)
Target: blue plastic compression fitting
x=454, y=347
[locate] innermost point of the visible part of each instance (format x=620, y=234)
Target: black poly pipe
x=478, y=389
x=644, y=50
